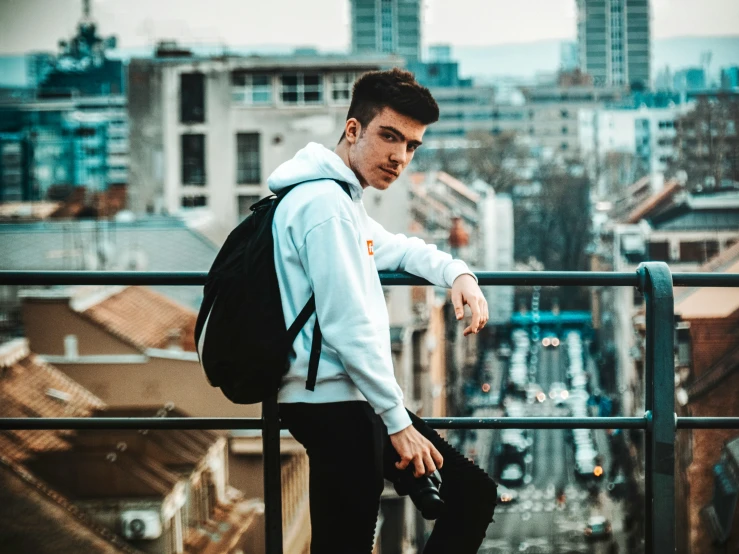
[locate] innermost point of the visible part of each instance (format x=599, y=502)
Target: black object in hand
x=424, y=491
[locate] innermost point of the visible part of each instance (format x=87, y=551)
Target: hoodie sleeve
x=332, y=258
x=396, y=252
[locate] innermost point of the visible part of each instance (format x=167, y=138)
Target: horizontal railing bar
x=705, y=279
x=537, y=422
x=80, y=423
x=171, y=423
x=708, y=422
x=129, y=423
x=488, y=278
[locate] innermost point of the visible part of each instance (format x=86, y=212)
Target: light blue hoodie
x=325, y=243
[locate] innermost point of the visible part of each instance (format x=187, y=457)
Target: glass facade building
x=387, y=27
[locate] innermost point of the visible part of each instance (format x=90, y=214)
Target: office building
x=387, y=27
x=615, y=42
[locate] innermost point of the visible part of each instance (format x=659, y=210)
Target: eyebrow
x=415, y=143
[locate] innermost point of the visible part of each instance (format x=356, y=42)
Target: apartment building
x=207, y=132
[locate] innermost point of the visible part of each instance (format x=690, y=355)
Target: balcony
x=659, y=421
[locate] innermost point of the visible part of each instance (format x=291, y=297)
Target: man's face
x=380, y=152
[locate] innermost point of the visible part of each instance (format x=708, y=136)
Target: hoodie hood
x=315, y=161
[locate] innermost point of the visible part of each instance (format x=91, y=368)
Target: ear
x=352, y=130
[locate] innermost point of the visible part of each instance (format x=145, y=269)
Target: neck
x=342, y=150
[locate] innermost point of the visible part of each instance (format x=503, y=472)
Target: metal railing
x=659, y=422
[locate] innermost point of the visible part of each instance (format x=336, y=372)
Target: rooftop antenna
x=86, y=10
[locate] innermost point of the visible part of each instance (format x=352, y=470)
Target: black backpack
x=246, y=346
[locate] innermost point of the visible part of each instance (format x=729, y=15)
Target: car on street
x=617, y=487
x=512, y=475
x=506, y=495
x=550, y=340
x=558, y=393
x=598, y=528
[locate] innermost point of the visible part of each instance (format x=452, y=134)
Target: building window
x=341, y=87
x=302, y=88
x=245, y=204
x=251, y=88
x=194, y=201
x=193, y=159
x=698, y=251
x=248, y=159
x=192, y=98
x=659, y=251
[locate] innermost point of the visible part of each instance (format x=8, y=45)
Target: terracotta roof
x=30, y=387
x=645, y=208
x=26, y=503
x=458, y=186
x=15, y=211
x=143, y=318
x=711, y=302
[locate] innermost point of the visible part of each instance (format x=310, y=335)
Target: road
x=536, y=523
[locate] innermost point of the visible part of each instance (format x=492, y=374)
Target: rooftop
x=141, y=317
x=711, y=302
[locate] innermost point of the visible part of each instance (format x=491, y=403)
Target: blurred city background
x=573, y=135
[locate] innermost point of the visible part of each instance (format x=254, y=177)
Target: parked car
x=512, y=475
x=506, y=495
x=617, y=487
x=558, y=393
x=598, y=528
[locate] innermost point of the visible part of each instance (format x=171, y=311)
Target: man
x=326, y=244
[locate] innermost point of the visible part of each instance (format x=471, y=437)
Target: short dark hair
x=396, y=89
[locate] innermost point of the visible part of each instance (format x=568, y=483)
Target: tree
x=707, y=142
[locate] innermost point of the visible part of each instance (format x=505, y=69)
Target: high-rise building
x=387, y=27
x=615, y=41
x=730, y=77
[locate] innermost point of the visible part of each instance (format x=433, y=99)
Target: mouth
x=390, y=172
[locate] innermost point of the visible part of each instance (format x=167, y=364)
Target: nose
x=399, y=155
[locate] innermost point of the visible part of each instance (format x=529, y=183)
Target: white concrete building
x=207, y=132
x=644, y=137
x=674, y=226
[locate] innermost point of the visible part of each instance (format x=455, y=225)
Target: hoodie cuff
x=454, y=269
x=396, y=419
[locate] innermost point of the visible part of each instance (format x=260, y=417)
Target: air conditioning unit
x=141, y=524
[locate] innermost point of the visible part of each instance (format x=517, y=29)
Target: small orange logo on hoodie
x=370, y=248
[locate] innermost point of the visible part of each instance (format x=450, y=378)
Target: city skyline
x=325, y=24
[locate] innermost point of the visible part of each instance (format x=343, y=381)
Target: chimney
x=174, y=340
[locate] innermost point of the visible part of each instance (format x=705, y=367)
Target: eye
x=389, y=136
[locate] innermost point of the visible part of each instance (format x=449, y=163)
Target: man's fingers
x=437, y=457
x=402, y=464
x=428, y=461
x=419, y=467
x=476, y=316
x=458, y=304
x=484, y=313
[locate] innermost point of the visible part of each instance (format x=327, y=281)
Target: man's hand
x=414, y=448
x=466, y=291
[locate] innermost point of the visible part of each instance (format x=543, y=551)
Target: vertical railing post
x=272, y=476
x=656, y=284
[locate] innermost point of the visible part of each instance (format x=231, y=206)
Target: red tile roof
x=144, y=318
x=653, y=202
x=30, y=387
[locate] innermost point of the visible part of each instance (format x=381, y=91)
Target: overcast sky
x=38, y=24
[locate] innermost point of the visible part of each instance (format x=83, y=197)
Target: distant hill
x=522, y=60
x=527, y=59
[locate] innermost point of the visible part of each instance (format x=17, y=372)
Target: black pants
x=348, y=451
